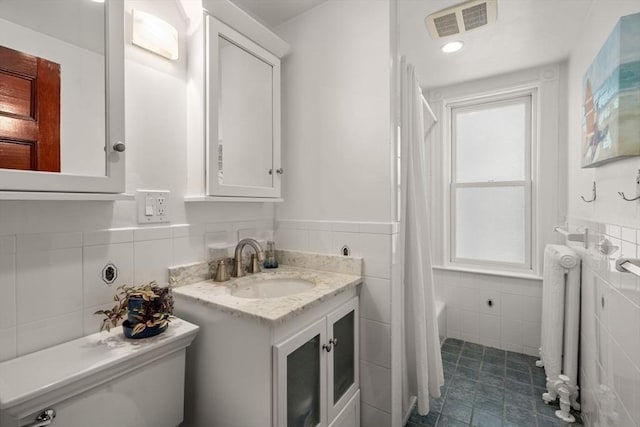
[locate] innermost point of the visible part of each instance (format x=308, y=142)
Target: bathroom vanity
x=272, y=359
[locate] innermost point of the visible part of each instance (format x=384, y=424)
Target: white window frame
x=529, y=183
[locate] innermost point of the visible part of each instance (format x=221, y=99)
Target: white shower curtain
x=423, y=364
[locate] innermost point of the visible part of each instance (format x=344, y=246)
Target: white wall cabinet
x=242, y=111
x=247, y=373
x=91, y=137
x=316, y=371
x=233, y=105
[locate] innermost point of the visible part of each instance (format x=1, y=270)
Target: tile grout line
x=534, y=415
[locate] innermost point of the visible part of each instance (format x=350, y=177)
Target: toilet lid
x=69, y=368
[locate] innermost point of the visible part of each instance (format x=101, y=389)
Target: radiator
x=560, y=323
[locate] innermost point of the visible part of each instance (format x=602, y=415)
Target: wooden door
x=29, y=112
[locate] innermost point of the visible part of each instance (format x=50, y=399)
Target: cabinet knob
x=44, y=419
x=333, y=343
x=279, y=171
x=119, y=147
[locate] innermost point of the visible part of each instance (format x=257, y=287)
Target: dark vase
x=127, y=328
x=136, y=306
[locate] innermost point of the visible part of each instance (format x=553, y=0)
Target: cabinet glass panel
x=343, y=356
x=303, y=385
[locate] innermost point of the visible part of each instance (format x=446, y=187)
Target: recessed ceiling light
x=452, y=47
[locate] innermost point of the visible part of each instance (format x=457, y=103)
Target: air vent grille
x=447, y=25
x=461, y=18
x=475, y=16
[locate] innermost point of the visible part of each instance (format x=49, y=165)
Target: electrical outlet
x=161, y=204
x=152, y=206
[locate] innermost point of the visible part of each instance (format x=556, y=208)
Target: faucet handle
x=222, y=275
x=254, y=266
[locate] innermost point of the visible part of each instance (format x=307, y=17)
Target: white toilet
x=101, y=380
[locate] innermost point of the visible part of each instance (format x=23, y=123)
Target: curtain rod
x=426, y=104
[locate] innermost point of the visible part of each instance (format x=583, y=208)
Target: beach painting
x=611, y=95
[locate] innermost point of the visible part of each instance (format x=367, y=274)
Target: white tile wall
x=8, y=342
x=375, y=295
x=151, y=259
x=375, y=342
x=48, y=241
x=107, y=237
x=346, y=238
x=610, y=330
x=513, y=320
x=96, y=292
x=376, y=250
x=188, y=244
x=50, y=283
x=37, y=335
x=374, y=417
x=373, y=241
x=296, y=240
x=7, y=291
x=489, y=329
x=375, y=386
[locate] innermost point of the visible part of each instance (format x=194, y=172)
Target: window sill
x=514, y=275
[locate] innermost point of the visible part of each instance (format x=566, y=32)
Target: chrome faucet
x=238, y=271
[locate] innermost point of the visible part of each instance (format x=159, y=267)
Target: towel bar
x=628, y=265
x=574, y=237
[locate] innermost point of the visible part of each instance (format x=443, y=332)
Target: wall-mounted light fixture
x=154, y=34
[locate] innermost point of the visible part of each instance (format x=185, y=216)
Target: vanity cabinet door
x=343, y=374
x=316, y=372
x=300, y=375
x=350, y=415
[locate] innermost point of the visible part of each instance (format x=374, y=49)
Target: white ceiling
x=275, y=12
x=527, y=33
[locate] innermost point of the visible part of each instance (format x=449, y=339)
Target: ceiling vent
x=461, y=18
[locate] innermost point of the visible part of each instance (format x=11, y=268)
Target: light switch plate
x=152, y=206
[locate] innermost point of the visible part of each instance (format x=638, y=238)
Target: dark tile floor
x=487, y=387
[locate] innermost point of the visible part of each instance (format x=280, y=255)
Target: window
x=490, y=190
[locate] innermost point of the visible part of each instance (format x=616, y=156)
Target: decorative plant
x=146, y=306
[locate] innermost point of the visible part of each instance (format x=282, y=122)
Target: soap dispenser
x=270, y=261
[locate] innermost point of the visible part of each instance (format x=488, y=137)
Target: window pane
x=490, y=144
x=490, y=224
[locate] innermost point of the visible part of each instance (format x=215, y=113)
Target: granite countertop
x=270, y=310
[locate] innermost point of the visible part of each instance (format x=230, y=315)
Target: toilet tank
x=101, y=380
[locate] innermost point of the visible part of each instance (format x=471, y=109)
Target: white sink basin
x=272, y=288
